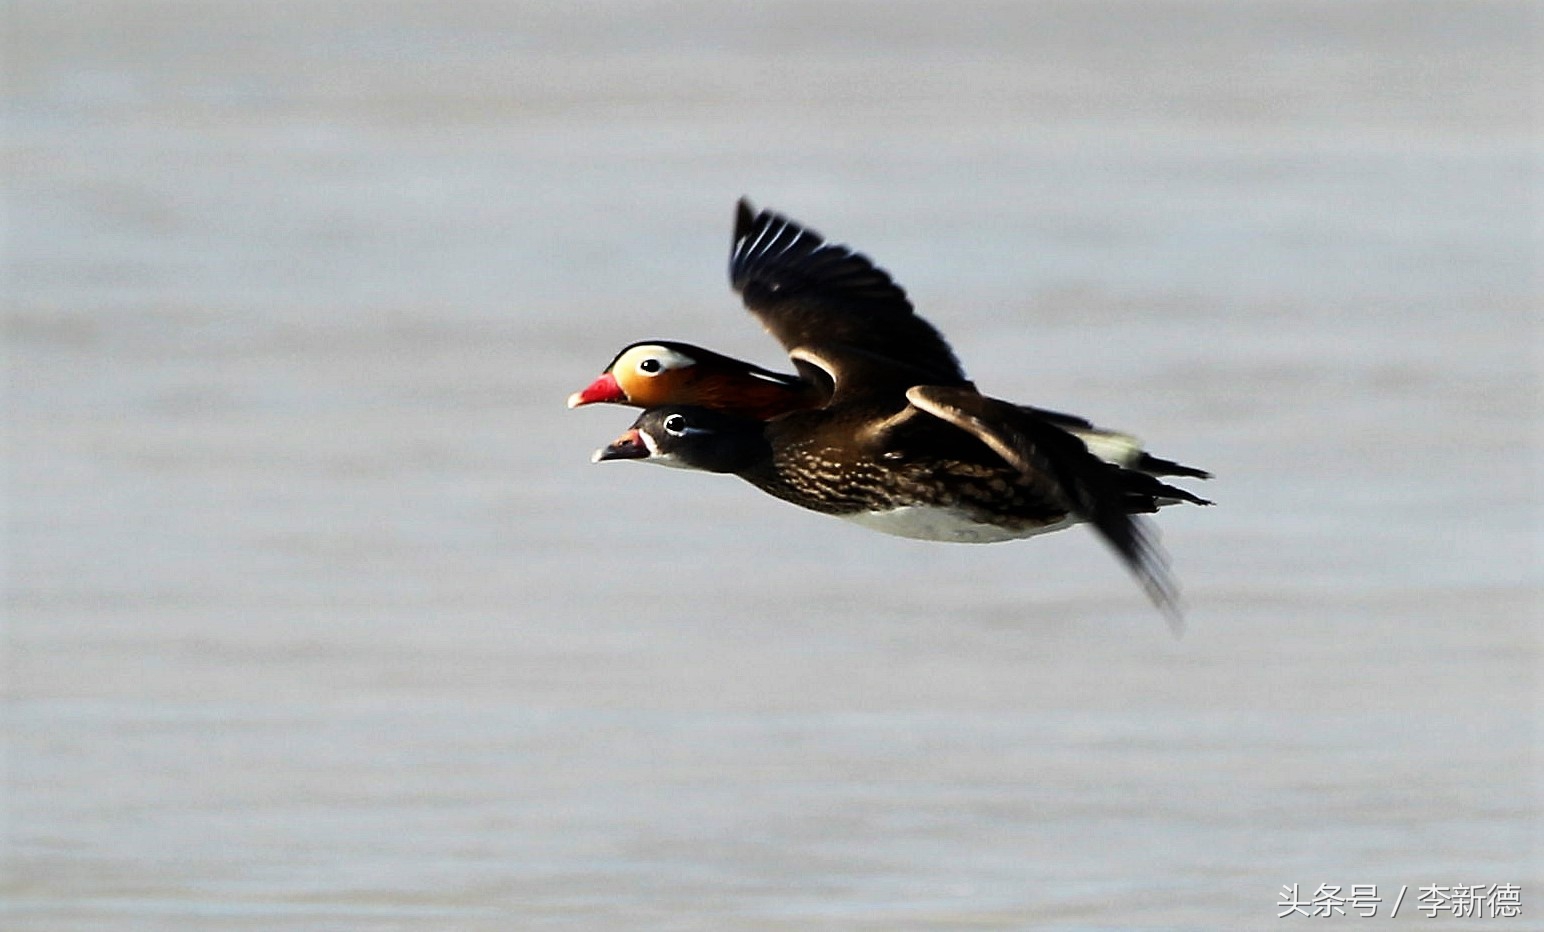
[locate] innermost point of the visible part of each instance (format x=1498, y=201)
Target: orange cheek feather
x=648, y=391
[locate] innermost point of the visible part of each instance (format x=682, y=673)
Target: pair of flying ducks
x=880, y=425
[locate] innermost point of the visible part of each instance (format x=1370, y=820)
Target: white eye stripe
x=652, y=360
x=676, y=425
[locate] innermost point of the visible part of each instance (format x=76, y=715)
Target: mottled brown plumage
x=897, y=439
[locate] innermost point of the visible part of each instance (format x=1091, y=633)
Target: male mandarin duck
x=650, y=373
x=658, y=372
x=880, y=426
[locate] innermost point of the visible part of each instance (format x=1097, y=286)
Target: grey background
x=317, y=615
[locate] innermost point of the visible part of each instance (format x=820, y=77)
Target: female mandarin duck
x=880, y=426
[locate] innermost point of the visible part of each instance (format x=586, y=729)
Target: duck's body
x=880, y=426
x=927, y=495
x=651, y=373
x=922, y=478
x=810, y=462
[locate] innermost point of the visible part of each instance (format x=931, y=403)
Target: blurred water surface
x=319, y=617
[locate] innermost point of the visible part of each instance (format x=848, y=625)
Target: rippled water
x=319, y=617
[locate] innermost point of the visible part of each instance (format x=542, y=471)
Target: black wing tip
x=1176, y=494
x=1144, y=492
x=744, y=218
x=1145, y=557
x=784, y=254
x=1135, y=541
x=750, y=221
x=1157, y=466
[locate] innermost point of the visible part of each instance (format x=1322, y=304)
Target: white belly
x=946, y=524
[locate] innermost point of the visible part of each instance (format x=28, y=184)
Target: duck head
x=662, y=372
x=691, y=437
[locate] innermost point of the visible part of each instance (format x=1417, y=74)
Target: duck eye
x=650, y=366
x=675, y=425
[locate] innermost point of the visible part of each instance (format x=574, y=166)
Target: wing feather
x=823, y=297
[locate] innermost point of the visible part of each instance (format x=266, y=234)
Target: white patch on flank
x=1110, y=446
x=945, y=524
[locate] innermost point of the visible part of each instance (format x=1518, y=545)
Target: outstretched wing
x=830, y=302
x=1098, y=492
